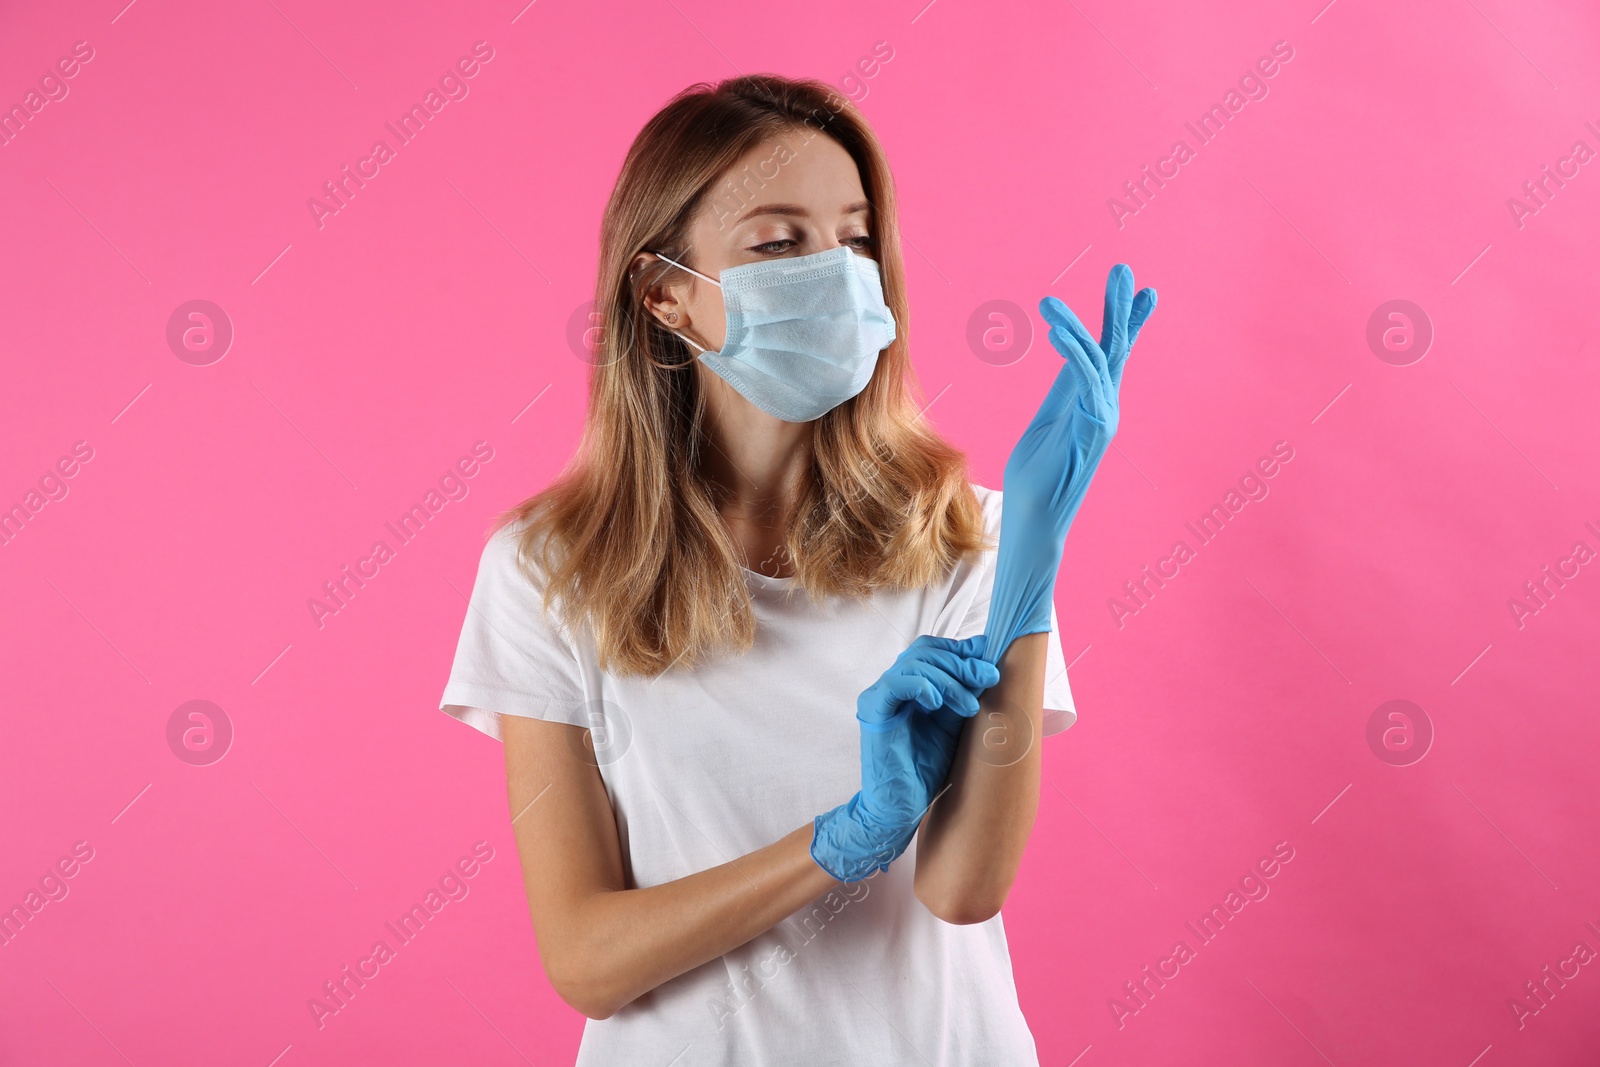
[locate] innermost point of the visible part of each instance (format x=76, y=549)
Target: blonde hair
x=644, y=557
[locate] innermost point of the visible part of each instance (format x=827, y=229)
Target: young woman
x=769, y=693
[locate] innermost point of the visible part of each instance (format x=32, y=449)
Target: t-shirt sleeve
x=511, y=658
x=970, y=596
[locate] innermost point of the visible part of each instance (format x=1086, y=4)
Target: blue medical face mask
x=803, y=333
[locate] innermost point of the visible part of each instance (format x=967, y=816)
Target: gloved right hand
x=1050, y=468
x=899, y=777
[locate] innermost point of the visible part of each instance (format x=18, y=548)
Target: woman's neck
x=759, y=467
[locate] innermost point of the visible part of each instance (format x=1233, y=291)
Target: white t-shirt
x=703, y=766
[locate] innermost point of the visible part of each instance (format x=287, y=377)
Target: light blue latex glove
x=900, y=776
x=935, y=733
x=1050, y=467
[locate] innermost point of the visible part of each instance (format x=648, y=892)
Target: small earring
x=672, y=318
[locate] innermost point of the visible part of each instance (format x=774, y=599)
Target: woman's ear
x=661, y=300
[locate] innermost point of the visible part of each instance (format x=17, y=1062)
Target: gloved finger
x=1073, y=350
x=953, y=692
x=881, y=707
x=1144, y=302
x=971, y=671
x=1087, y=361
x=1058, y=314
x=1119, y=302
x=966, y=646
x=911, y=685
x=964, y=661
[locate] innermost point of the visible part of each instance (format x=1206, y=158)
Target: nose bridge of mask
x=756, y=272
x=861, y=272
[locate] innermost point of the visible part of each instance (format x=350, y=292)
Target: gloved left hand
x=934, y=734
x=1049, y=470
x=903, y=767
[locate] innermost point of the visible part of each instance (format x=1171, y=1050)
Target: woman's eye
x=860, y=242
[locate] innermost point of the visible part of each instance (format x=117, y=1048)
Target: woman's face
x=812, y=203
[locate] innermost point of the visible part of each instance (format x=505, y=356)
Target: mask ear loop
x=691, y=270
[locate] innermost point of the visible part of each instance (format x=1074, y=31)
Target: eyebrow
x=795, y=209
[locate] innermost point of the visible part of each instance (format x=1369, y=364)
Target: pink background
x=1228, y=715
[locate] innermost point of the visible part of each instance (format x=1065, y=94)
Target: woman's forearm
x=603, y=945
x=618, y=945
x=971, y=843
